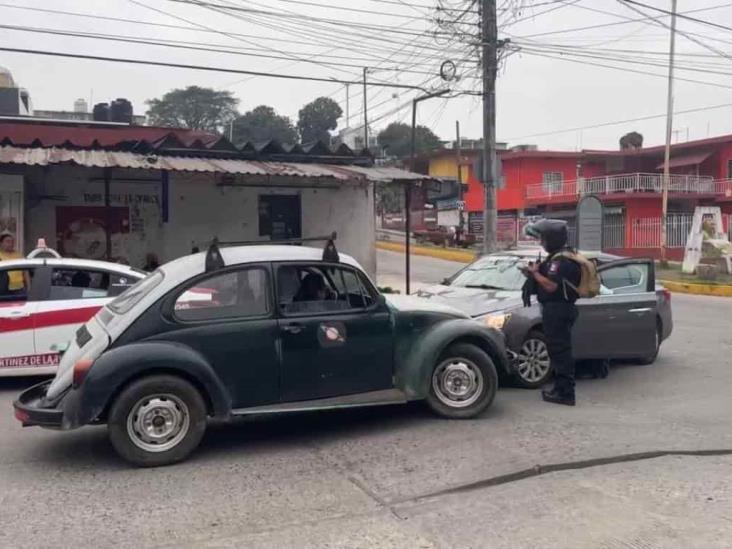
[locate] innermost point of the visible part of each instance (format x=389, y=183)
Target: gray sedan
x=628, y=320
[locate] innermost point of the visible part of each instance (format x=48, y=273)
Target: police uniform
x=558, y=316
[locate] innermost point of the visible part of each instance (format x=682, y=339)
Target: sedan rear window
x=132, y=296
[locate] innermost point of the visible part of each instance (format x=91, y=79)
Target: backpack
x=589, y=285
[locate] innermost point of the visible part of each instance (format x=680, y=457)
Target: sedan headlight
x=497, y=321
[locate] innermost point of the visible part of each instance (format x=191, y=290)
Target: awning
x=115, y=159
x=686, y=160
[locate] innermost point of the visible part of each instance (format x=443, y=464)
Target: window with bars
x=552, y=182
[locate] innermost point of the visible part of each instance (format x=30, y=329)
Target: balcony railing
x=628, y=183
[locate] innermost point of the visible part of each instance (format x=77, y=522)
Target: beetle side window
x=232, y=294
x=313, y=289
x=624, y=279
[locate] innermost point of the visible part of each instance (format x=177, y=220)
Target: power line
x=204, y=68
x=352, y=10
x=624, y=69
x=625, y=21
x=186, y=45
x=299, y=16
x=619, y=122
x=170, y=26
x=681, y=15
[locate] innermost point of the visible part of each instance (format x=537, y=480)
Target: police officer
x=554, y=281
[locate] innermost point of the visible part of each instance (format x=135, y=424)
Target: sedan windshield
x=494, y=272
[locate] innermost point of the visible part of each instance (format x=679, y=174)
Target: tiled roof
x=17, y=132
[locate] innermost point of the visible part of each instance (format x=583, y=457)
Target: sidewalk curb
x=719, y=290
x=438, y=253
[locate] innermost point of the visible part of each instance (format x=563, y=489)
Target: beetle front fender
x=414, y=367
x=116, y=367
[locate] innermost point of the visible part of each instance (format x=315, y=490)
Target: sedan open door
x=621, y=322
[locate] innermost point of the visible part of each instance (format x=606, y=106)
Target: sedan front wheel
x=533, y=366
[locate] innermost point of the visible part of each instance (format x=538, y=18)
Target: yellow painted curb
x=439, y=253
x=719, y=290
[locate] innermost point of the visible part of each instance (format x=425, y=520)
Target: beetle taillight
x=81, y=368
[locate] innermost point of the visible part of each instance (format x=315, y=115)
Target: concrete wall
x=198, y=210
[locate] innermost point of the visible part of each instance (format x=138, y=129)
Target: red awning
x=693, y=159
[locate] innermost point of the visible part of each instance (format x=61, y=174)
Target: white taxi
x=37, y=322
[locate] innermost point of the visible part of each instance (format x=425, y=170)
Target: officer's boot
x=561, y=393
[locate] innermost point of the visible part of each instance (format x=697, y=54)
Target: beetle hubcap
x=533, y=360
x=158, y=423
x=457, y=382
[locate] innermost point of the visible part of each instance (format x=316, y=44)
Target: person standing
x=555, y=281
x=18, y=281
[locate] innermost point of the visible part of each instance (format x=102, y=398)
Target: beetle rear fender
x=414, y=370
x=116, y=368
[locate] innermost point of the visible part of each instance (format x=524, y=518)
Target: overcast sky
x=538, y=94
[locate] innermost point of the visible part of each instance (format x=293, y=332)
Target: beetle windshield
x=494, y=272
x=132, y=296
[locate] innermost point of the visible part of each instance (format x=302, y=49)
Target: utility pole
x=458, y=158
x=669, y=129
x=365, y=119
x=489, y=41
x=348, y=107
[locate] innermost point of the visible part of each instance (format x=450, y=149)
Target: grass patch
x=673, y=273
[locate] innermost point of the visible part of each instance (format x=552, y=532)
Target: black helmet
x=552, y=232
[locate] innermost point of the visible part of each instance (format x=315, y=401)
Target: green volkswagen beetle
x=265, y=329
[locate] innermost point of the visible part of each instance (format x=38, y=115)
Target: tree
x=195, y=108
x=397, y=139
x=261, y=124
x=632, y=140
x=317, y=119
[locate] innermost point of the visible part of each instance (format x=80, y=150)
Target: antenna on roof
x=214, y=261
x=329, y=252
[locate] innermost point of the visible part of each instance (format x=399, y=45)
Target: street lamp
x=408, y=187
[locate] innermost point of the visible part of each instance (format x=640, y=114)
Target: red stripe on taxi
x=48, y=319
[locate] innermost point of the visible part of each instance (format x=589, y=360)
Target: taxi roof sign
x=42, y=250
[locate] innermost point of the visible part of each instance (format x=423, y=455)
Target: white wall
x=198, y=211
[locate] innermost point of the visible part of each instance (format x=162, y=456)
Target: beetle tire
x=475, y=356
x=175, y=389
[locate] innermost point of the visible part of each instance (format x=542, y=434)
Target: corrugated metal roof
x=118, y=159
x=36, y=133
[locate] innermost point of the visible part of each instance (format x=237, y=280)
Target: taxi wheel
x=463, y=382
x=157, y=420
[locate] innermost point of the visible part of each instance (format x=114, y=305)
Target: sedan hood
x=472, y=301
x=408, y=303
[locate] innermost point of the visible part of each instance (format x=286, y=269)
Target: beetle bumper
x=31, y=409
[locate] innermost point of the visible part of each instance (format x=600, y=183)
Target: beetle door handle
x=293, y=328
x=641, y=310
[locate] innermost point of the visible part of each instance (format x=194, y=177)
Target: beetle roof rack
x=214, y=261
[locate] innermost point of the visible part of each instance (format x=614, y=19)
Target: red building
x=628, y=182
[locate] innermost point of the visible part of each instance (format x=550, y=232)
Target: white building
x=120, y=192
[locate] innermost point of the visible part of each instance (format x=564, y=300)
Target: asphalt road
x=629, y=470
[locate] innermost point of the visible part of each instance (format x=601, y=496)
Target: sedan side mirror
x=445, y=282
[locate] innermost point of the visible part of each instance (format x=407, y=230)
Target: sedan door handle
x=641, y=310
x=18, y=315
x=293, y=328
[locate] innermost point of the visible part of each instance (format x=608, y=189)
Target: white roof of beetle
x=190, y=265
